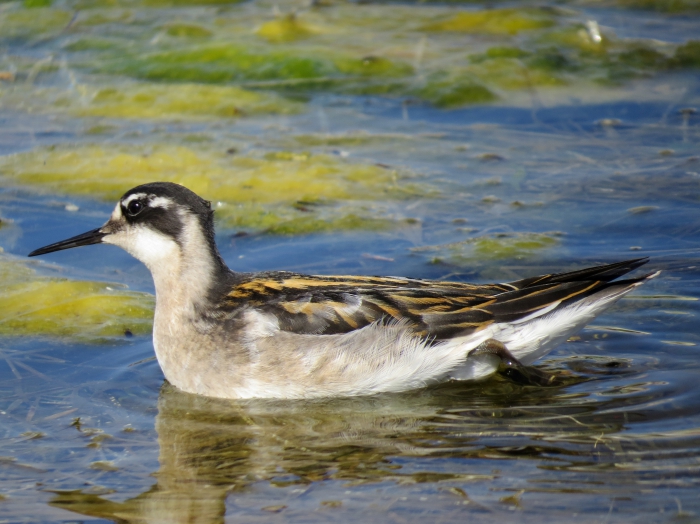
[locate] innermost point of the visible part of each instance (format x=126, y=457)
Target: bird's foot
x=511, y=367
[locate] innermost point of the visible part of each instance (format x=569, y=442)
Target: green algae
x=285, y=29
x=403, y=52
x=575, y=52
x=574, y=38
x=280, y=68
x=356, y=138
x=338, y=140
x=347, y=222
x=33, y=23
x=406, y=51
x=687, y=55
x=487, y=74
x=32, y=305
x=183, y=101
x=643, y=57
x=86, y=19
x=499, y=52
x=92, y=43
x=449, y=93
x=636, y=62
x=151, y=101
x=512, y=73
x=373, y=66
x=218, y=63
x=555, y=58
x=495, y=21
x=666, y=6
x=501, y=246
x=181, y=30
x=282, y=192
x=33, y=4
x=512, y=246
x=101, y=4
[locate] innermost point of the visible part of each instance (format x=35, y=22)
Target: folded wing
x=434, y=309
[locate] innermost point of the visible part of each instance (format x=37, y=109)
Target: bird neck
x=188, y=278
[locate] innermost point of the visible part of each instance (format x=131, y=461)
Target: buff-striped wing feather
x=436, y=309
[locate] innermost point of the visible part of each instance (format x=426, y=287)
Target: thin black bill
x=91, y=237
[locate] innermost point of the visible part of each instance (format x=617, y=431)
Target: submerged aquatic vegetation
x=282, y=192
x=32, y=23
x=668, y=6
x=32, y=305
x=450, y=92
x=273, y=68
x=183, y=101
x=687, y=55
x=499, y=246
x=285, y=29
x=181, y=30
x=151, y=101
x=220, y=63
x=392, y=51
x=90, y=4
x=496, y=21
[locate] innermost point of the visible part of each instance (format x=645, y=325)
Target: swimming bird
x=280, y=334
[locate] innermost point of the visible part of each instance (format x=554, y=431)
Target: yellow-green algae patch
x=288, y=67
x=32, y=305
x=220, y=63
x=285, y=29
x=150, y=101
x=184, y=101
x=93, y=43
x=89, y=4
x=33, y=23
x=181, y=30
x=449, y=56
x=513, y=73
x=349, y=139
x=282, y=192
x=501, y=246
x=495, y=21
x=448, y=92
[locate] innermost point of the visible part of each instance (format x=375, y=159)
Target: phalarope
x=286, y=335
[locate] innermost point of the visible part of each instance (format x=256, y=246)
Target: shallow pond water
x=456, y=141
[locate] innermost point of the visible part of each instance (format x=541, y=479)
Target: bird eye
x=134, y=207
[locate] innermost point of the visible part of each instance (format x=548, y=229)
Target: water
x=594, y=173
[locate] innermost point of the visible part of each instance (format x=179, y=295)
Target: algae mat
x=280, y=192
x=84, y=311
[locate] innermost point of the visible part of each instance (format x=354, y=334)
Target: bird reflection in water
x=211, y=448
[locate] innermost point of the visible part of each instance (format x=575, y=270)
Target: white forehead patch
x=117, y=213
x=135, y=196
x=163, y=202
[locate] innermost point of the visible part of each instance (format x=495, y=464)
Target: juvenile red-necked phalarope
x=286, y=335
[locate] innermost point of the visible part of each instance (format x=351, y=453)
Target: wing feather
x=440, y=310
